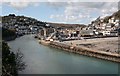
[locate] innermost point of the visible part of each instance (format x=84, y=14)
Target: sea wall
x=86, y=52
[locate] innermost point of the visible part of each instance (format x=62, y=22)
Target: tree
x=8, y=34
x=19, y=60
x=11, y=63
x=8, y=61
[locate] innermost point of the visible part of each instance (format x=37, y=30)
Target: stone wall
x=86, y=52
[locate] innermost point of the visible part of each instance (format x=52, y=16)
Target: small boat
x=44, y=42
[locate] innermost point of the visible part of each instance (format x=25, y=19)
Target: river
x=42, y=59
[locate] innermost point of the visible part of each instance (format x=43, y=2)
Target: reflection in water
x=46, y=60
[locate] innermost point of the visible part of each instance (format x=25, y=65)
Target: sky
x=77, y=12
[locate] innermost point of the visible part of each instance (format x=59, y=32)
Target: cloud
x=109, y=8
x=61, y=0
x=21, y=4
x=74, y=10
x=77, y=12
x=70, y=15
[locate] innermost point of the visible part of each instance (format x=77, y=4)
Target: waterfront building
x=87, y=33
x=109, y=33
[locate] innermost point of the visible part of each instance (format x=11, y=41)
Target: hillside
x=62, y=25
x=11, y=19
x=116, y=15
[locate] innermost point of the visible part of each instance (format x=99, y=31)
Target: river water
x=42, y=59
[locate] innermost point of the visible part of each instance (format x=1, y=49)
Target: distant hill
x=62, y=25
x=11, y=19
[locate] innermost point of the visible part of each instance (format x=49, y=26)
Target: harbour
x=42, y=59
x=60, y=37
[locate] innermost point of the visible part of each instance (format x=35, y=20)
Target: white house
x=109, y=33
x=47, y=25
x=101, y=19
x=117, y=20
x=111, y=20
x=103, y=25
x=117, y=24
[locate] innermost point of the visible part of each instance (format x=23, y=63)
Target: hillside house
x=112, y=20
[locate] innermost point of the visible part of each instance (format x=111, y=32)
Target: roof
x=86, y=31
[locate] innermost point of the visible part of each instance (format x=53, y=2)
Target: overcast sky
x=81, y=12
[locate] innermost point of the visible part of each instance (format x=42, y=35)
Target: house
x=101, y=19
x=109, y=33
x=102, y=26
x=117, y=24
x=87, y=33
x=109, y=26
x=117, y=20
x=112, y=20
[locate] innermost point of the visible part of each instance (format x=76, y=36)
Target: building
x=87, y=33
x=112, y=20
x=110, y=33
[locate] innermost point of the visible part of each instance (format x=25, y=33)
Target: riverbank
x=76, y=46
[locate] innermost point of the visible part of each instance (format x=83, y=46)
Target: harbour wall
x=86, y=52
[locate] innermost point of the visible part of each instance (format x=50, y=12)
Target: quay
x=84, y=42
x=44, y=42
x=83, y=50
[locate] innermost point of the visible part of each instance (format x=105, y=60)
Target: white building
x=109, y=33
x=117, y=24
x=117, y=20
x=111, y=20
x=103, y=25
